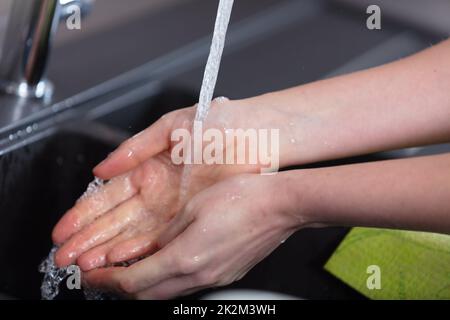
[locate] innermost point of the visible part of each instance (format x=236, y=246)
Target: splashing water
x=210, y=78
x=93, y=187
x=53, y=276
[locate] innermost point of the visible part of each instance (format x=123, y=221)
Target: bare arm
x=402, y=104
x=403, y=194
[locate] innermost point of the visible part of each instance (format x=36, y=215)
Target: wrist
x=290, y=203
x=291, y=113
x=300, y=188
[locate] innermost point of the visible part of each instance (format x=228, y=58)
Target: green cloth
x=413, y=265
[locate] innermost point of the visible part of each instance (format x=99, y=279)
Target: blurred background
x=295, y=41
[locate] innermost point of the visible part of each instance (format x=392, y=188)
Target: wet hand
x=121, y=220
x=219, y=236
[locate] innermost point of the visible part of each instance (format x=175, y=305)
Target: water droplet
x=221, y=99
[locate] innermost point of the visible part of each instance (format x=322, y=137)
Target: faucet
x=27, y=44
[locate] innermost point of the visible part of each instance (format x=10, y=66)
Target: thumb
x=136, y=150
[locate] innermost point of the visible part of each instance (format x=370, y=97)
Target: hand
x=220, y=235
x=121, y=220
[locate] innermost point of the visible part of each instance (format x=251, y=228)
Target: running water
x=209, y=78
x=214, y=58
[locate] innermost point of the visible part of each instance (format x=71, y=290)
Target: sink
x=39, y=182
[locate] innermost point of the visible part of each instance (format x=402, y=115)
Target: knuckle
x=169, y=118
x=185, y=266
x=207, y=278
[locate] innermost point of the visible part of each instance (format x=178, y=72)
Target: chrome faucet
x=27, y=44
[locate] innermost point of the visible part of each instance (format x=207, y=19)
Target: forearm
x=402, y=194
x=402, y=104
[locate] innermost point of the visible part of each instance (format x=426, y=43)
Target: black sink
x=39, y=182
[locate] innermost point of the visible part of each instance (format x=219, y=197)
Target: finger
x=100, y=231
x=135, y=278
x=98, y=256
x=92, y=205
x=136, y=150
x=104, y=279
x=136, y=247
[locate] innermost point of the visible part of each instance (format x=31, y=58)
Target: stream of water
x=209, y=79
x=214, y=59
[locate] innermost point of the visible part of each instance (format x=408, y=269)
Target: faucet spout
x=27, y=44
x=26, y=48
